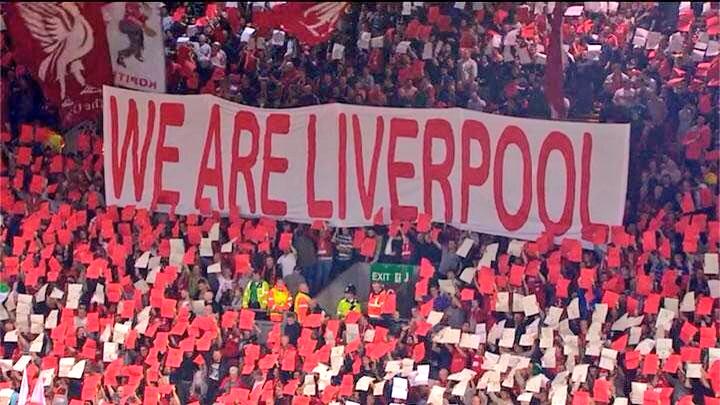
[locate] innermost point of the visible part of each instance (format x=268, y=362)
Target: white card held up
x=470, y=341
x=406, y=8
x=363, y=383
x=600, y=313
x=227, y=247
x=714, y=286
x=574, y=11
x=688, y=302
x=22, y=363
x=37, y=344
x=142, y=261
x=214, y=233
x=637, y=392
x=653, y=40
x=338, y=51
x=645, y=346
x=214, y=268
x=434, y=317
x=608, y=359
x=530, y=305
x=548, y=359
x=515, y=248
x=447, y=286
x=37, y=323
x=11, y=336
x=711, y=263
x=247, y=34
x=502, y=302
x=47, y=376
x=508, y=338
x=74, y=292
x=693, y=370
x=40, y=295
x=489, y=255
x=402, y=47
x=579, y=373
x=379, y=387
x=206, y=249
x=552, y=318
x=465, y=247
x=436, y=396
x=427, y=51
x=573, y=309
x=535, y=383
x=423, y=374
x=65, y=365
x=399, y=388
x=663, y=348
x=468, y=275
x=110, y=352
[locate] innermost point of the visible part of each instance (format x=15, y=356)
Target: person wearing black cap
x=348, y=303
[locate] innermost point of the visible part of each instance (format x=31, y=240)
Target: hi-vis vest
x=279, y=300
x=376, y=302
x=262, y=291
x=302, y=305
x=345, y=306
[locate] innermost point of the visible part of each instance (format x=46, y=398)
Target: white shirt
x=203, y=55
x=469, y=70
x=287, y=262
x=624, y=97
x=219, y=59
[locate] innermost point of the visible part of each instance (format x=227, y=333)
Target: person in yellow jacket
x=256, y=293
x=349, y=303
x=278, y=300
x=303, y=302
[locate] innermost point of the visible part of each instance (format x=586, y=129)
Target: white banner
x=135, y=41
x=343, y=163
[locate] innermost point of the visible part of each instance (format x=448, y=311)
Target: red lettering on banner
x=207, y=176
x=276, y=124
x=561, y=143
x=132, y=133
x=244, y=121
x=171, y=115
x=316, y=208
x=472, y=175
x=439, y=172
x=512, y=135
x=586, y=160
x=342, y=166
x=367, y=194
x=400, y=128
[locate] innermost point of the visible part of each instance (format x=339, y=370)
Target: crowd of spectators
x=130, y=306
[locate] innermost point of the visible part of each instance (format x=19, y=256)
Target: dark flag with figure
x=554, y=79
x=64, y=46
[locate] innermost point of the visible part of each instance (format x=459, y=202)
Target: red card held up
x=423, y=222
x=368, y=247
x=247, y=319
x=285, y=241
x=467, y=294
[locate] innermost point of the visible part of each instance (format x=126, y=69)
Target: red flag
x=65, y=48
x=311, y=23
x=554, y=67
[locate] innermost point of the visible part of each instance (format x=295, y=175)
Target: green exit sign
x=387, y=273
